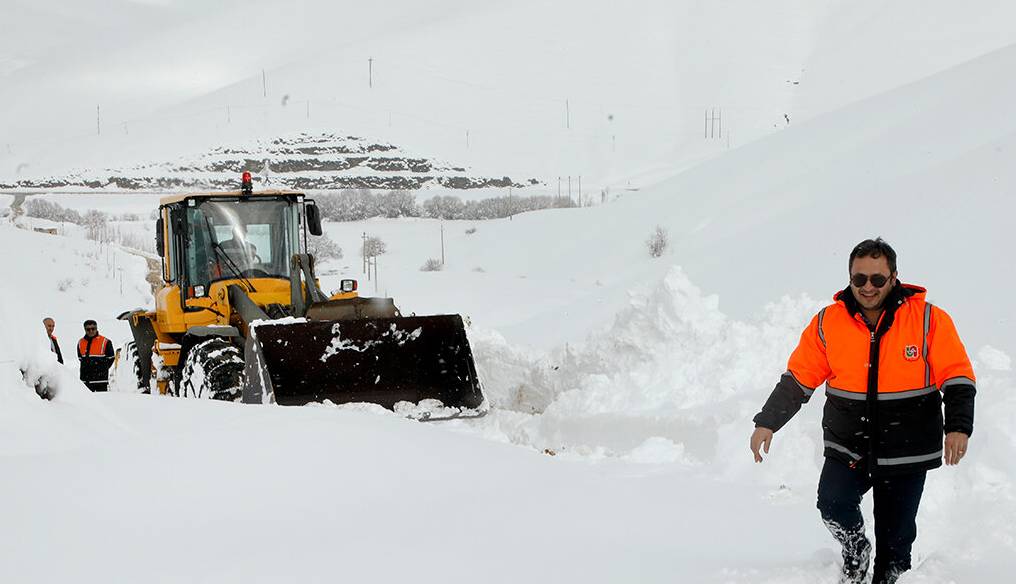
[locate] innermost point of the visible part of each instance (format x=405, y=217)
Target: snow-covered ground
x=621, y=386
x=634, y=467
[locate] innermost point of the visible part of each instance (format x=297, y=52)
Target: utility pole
x=229, y=117
x=559, y=189
x=613, y=136
x=714, y=123
x=363, y=252
x=370, y=72
x=442, y=242
x=580, y=191
x=308, y=109
x=511, y=210
x=567, y=114
x=264, y=83
x=569, y=189
x=467, y=139
x=98, y=126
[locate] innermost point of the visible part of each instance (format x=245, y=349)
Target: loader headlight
x=348, y=286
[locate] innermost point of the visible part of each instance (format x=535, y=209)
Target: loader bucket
x=375, y=360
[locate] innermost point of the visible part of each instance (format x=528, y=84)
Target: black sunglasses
x=877, y=280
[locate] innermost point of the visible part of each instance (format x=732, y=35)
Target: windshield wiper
x=229, y=261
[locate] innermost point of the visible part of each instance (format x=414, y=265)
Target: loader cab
x=240, y=239
x=207, y=238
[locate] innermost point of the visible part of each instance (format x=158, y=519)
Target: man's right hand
x=761, y=437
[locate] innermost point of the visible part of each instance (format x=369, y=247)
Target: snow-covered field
x=650, y=479
x=622, y=387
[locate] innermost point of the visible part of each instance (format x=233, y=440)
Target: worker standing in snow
x=54, y=346
x=96, y=355
x=889, y=360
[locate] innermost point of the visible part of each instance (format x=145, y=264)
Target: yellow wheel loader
x=242, y=317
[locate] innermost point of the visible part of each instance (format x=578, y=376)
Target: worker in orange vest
x=95, y=353
x=890, y=360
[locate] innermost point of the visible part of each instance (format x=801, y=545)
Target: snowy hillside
x=621, y=386
x=301, y=161
x=524, y=90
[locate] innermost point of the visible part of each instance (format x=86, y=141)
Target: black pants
x=840, y=489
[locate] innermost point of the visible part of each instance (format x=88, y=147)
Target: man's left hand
x=955, y=447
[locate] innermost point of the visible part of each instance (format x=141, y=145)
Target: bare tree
x=373, y=246
x=657, y=242
x=324, y=248
x=96, y=225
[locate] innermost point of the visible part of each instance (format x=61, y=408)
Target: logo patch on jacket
x=911, y=353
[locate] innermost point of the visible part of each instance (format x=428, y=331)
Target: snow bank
x=672, y=367
x=29, y=424
x=70, y=280
x=993, y=359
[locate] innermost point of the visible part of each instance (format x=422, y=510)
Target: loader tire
x=130, y=357
x=213, y=369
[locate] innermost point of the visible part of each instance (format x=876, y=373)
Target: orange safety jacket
x=96, y=356
x=885, y=384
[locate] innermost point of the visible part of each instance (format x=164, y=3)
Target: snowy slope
x=619, y=98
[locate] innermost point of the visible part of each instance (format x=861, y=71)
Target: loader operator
x=95, y=353
x=242, y=252
x=889, y=360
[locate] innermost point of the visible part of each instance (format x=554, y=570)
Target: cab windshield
x=233, y=239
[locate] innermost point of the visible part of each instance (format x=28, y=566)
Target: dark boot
x=840, y=489
x=855, y=561
x=886, y=575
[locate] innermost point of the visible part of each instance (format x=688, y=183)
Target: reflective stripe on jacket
x=884, y=385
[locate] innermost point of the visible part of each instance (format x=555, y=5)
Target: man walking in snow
x=54, y=346
x=889, y=360
x=96, y=355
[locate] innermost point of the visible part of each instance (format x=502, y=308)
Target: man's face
x=869, y=296
x=50, y=325
x=91, y=330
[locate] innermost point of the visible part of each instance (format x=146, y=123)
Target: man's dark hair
x=91, y=322
x=874, y=248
